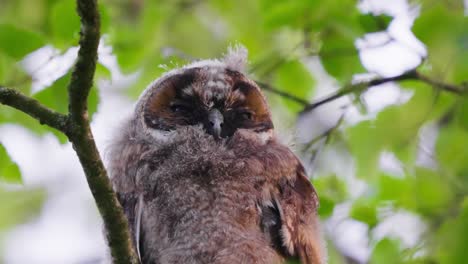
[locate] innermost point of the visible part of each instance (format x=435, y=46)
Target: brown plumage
x=202, y=178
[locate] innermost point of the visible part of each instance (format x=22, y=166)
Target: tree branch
x=115, y=222
x=360, y=86
x=456, y=89
x=83, y=71
x=326, y=134
x=354, y=88
x=76, y=126
x=268, y=87
x=32, y=107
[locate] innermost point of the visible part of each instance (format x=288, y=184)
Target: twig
x=411, y=75
x=269, y=88
x=456, y=89
x=354, y=88
x=346, y=90
x=326, y=134
x=33, y=108
x=360, y=86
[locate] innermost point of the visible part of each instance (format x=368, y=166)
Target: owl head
x=214, y=95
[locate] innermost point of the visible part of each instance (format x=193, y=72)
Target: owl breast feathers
x=202, y=178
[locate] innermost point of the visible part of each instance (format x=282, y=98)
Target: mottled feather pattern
x=242, y=198
x=238, y=175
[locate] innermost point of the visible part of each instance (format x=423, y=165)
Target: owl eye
x=178, y=108
x=246, y=115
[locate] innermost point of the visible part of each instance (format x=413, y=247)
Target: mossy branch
x=76, y=126
x=34, y=108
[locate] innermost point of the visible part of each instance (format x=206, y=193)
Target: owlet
x=202, y=177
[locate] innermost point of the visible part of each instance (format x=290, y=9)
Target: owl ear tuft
x=236, y=58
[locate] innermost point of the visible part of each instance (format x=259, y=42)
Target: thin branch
x=360, y=86
x=346, y=90
x=32, y=107
x=456, y=89
x=355, y=88
x=115, y=222
x=325, y=135
x=269, y=88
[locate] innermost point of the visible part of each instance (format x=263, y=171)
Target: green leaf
x=432, y=192
x=452, y=237
x=20, y=206
x=399, y=125
x=332, y=186
x=365, y=146
x=93, y=102
x=426, y=192
x=335, y=255
x=56, y=96
x=339, y=56
x=280, y=13
x=386, y=251
x=13, y=75
x=136, y=40
x=444, y=30
x=395, y=129
x=102, y=72
x=365, y=210
x=17, y=42
x=13, y=116
x=407, y=153
x=326, y=206
x=338, y=53
x=452, y=149
x=64, y=23
x=105, y=18
x=5, y=64
x=294, y=78
x=462, y=113
x=332, y=190
x=25, y=14
x=398, y=190
x=9, y=171
x=372, y=23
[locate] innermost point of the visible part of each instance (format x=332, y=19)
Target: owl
x=202, y=177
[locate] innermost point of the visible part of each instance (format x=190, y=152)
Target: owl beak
x=215, y=123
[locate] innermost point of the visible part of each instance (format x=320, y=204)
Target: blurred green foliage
x=154, y=36
x=16, y=206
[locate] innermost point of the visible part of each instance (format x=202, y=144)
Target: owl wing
x=290, y=219
x=132, y=205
